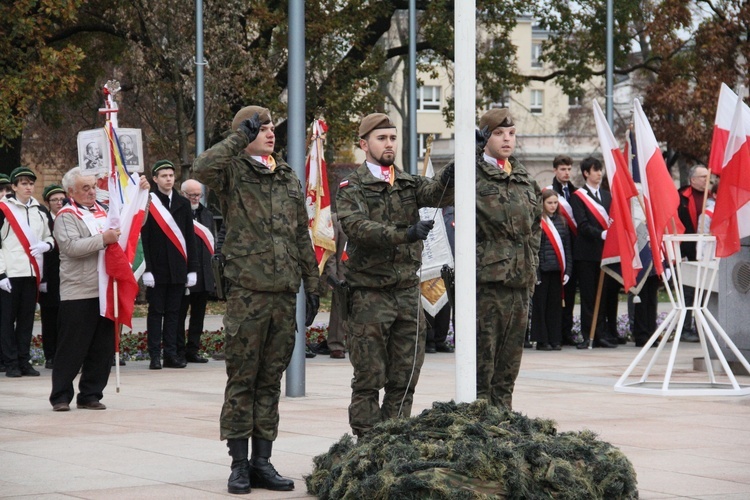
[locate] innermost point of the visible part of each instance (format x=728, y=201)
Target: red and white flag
x=722, y=123
x=127, y=209
x=660, y=197
x=621, y=245
x=731, y=220
x=318, y=197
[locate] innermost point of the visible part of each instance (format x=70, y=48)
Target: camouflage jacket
x=509, y=214
x=375, y=217
x=267, y=245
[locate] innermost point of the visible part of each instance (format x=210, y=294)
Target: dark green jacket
x=267, y=244
x=375, y=217
x=509, y=214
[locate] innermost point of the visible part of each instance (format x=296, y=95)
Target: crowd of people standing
x=534, y=248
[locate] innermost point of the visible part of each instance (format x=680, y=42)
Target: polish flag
x=127, y=210
x=731, y=220
x=722, y=123
x=621, y=245
x=660, y=196
x=318, y=197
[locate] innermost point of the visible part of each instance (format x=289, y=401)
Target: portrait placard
x=92, y=151
x=131, y=148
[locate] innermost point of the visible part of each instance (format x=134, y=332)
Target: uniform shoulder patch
x=344, y=183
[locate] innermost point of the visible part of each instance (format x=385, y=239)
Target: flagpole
x=427, y=154
x=595, y=319
x=117, y=337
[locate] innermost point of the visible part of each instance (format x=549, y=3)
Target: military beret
x=50, y=190
x=374, y=121
x=21, y=172
x=248, y=112
x=161, y=165
x=4, y=179
x=498, y=117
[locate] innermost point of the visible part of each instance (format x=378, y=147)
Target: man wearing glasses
x=196, y=300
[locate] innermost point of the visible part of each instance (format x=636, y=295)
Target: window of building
x=575, y=101
x=536, y=53
x=422, y=143
x=537, y=102
x=428, y=98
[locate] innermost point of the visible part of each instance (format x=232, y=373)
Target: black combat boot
x=262, y=473
x=239, y=479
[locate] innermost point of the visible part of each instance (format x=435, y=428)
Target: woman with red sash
x=555, y=268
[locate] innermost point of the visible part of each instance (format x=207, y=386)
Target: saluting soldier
x=378, y=206
x=268, y=250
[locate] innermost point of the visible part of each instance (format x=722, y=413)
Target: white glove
x=566, y=278
x=43, y=287
x=604, y=234
x=148, y=280
x=192, y=279
x=5, y=284
x=38, y=249
x=538, y=283
x=667, y=274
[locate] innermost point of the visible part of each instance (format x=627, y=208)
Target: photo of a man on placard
x=129, y=150
x=93, y=158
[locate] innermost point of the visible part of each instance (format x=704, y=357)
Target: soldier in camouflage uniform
x=268, y=250
x=508, y=225
x=378, y=206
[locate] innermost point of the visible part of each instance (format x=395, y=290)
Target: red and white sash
x=205, y=235
x=595, y=208
x=25, y=236
x=95, y=220
x=557, y=245
x=554, y=238
x=167, y=224
x=566, y=212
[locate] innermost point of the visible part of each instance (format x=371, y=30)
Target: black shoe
x=28, y=371
x=430, y=349
x=49, y=364
x=2, y=368
x=195, y=358
x=527, y=344
x=540, y=346
x=689, y=336
x=641, y=343
x=309, y=352
x=323, y=348
x=605, y=343
x=583, y=345
x=264, y=475
x=556, y=347
x=114, y=361
x=155, y=363
x=443, y=347
x=174, y=363
x=622, y=340
x=239, y=479
x=13, y=372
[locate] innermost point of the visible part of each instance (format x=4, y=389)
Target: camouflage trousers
x=386, y=352
x=259, y=340
x=502, y=317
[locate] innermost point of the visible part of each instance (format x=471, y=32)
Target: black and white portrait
x=131, y=148
x=93, y=151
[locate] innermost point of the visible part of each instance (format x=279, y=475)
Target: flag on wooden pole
x=318, y=198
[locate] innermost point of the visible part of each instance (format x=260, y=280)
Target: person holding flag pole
x=127, y=198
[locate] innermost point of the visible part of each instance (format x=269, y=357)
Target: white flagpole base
x=707, y=326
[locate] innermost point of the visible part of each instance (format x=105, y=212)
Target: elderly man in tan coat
x=86, y=339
